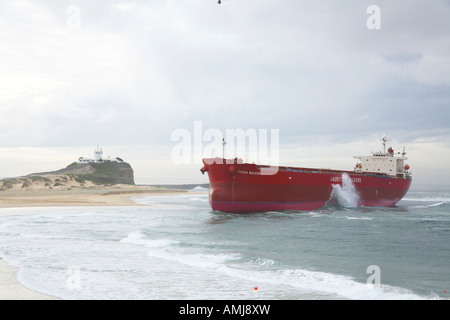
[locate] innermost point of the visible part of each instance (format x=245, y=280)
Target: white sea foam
x=263, y=273
x=427, y=199
x=321, y=282
x=166, y=252
x=437, y=204
x=345, y=195
x=199, y=188
x=359, y=218
x=425, y=206
x=198, y=260
x=139, y=238
x=145, y=200
x=198, y=198
x=283, y=281
x=436, y=197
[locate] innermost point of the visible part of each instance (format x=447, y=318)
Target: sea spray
x=344, y=195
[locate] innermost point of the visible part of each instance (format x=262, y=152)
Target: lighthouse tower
x=98, y=154
x=98, y=157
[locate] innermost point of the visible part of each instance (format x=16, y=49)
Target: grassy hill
x=74, y=175
x=108, y=172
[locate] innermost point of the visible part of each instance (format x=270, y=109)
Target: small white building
x=98, y=157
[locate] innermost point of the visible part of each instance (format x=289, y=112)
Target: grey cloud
x=304, y=67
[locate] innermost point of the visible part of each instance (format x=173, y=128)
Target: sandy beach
x=118, y=195
x=11, y=289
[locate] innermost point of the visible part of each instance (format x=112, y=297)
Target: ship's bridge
x=384, y=162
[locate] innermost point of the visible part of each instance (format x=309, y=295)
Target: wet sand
x=11, y=289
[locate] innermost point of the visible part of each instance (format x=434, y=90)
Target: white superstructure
x=383, y=162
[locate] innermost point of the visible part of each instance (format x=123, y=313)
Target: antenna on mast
x=384, y=139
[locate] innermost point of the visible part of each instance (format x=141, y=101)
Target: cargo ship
x=381, y=179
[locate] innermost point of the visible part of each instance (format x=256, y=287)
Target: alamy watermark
x=373, y=22
x=374, y=280
x=74, y=17
x=73, y=280
x=254, y=145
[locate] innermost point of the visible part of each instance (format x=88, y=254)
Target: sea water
x=178, y=248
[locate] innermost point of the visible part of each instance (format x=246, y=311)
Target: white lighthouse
x=98, y=157
x=98, y=154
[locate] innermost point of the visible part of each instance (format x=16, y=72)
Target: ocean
x=178, y=248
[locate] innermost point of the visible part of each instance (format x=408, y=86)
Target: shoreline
x=79, y=197
x=10, y=287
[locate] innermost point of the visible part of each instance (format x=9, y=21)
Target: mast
x=384, y=139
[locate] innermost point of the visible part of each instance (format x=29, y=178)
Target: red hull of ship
x=242, y=187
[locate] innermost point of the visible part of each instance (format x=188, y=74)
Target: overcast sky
x=126, y=74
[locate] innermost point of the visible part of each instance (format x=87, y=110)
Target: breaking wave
x=199, y=188
x=344, y=195
x=233, y=273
